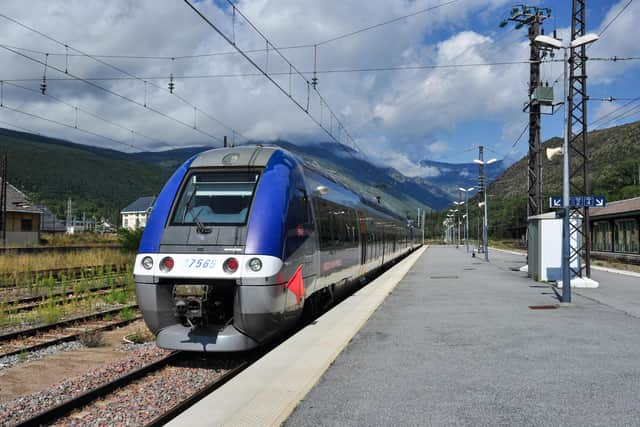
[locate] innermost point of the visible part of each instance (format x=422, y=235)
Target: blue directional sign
x=555, y=202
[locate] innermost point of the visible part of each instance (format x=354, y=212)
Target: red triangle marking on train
x=296, y=285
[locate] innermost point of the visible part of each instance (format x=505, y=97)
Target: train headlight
x=230, y=265
x=255, y=264
x=166, y=264
x=147, y=263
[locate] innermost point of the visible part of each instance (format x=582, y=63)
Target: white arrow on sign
x=556, y=203
x=599, y=201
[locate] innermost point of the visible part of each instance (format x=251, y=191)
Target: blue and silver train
x=241, y=240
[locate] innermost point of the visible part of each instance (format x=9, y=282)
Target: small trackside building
x=137, y=213
x=23, y=219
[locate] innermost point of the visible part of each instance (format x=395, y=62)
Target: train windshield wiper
x=200, y=227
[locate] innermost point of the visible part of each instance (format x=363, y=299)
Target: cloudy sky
x=119, y=55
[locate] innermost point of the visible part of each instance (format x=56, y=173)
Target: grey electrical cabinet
x=545, y=246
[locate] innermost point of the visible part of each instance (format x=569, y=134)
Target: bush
x=92, y=338
x=140, y=336
x=126, y=314
x=130, y=239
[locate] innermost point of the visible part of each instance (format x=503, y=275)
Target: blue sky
x=396, y=118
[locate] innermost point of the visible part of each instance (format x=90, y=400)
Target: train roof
x=251, y=156
x=259, y=155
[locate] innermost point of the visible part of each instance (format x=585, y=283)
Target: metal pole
x=466, y=225
x=458, y=221
x=486, y=228
x=566, y=279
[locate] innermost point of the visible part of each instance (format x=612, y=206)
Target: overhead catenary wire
x=120, y=70
x=113, y=93
x=235, y=52
x=521, y=135
x=381, y=24
x=284, y=73
x=617, y=114
x=319, y=71
x=606, y=27
x=59, y=123
x=329, y=131
x=92, y=114
x=13, y=125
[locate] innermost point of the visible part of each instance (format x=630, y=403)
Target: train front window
x=216, y=198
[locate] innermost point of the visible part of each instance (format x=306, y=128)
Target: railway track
x=39, y=249
x=32, y=339
x=160, y=377
x=9, y=280
x=26, y=303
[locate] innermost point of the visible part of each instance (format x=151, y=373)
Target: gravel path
x=24, y=407
x=142, y=401
x=11, y=361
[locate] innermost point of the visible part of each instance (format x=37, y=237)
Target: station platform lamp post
x=485, y=226
x=449, y=233
x=456, y=236
x=551, y=43
x=459, y=207
x=466, y=226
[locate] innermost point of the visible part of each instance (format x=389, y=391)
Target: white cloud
x=406, y=115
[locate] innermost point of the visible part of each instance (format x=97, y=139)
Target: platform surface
x=456, y=343
x=268, y=391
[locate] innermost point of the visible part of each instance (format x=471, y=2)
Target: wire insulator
x=171, y=85
x=43, y=84
x=314, y=79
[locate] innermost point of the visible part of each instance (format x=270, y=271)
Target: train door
x=307, y=230
x=299, y=250
x=362, y=221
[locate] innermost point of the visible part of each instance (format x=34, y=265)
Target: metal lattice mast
x=533, y=17
x=579, y=154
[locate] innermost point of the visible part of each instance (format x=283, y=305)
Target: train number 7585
x=200, y=263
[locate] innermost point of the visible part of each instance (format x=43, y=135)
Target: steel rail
x=49, y=415
x=185, y=404
x=63, y=323
x=29, y=303
x=71, y=337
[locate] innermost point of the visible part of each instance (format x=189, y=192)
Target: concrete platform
x=268, y=391
x=456, y=342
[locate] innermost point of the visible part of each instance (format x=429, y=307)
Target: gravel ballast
x=23, y=407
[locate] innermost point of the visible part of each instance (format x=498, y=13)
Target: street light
x=455, y=220
x=485, y=229
x=448, y=228
x=551, y=43
x=466, y=227
x=458, y=204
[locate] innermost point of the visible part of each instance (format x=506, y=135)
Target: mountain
x=99, y=181
x=451, y=176
x=397, y=191
x=613, y=167
x=102, y=181
x=614, y=171
x=170, y=158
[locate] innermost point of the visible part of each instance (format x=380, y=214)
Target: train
x=241, y=242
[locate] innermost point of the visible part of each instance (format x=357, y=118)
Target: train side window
x=324, y=224
x=306, y=206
